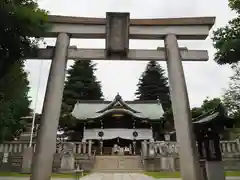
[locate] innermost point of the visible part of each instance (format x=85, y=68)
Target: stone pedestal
x=5, y=161
x=164, y=163
x=67, y=163
x=215, y=170
x=171, y=162
x=27, y=160
x=203, y=169
x=67, y=158
x=168, y=163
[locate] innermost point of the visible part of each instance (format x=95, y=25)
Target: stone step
x=118, y=164
x=118, y=170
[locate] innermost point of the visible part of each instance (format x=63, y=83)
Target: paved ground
x=110, y=176
x=97, y=176
x=117, y=176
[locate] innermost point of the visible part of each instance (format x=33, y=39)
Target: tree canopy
x=226, y=40
x=153, y=85
x=20, y=21
x=81, y=84
x=231, y=96
x=14, y=101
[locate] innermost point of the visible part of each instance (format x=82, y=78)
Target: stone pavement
x=110, y=176
x=97, y=176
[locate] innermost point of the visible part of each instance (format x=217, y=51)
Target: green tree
x=226, y=39
x=153, y=85
x=20, y=20
x=14, y=101
x=81, y=84
x=210, y=104
x=231, y=97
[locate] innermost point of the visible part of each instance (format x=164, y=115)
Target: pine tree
x=81, y=84
x=153, y=85
x=14, y=101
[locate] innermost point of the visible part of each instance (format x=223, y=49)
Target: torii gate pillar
x=189, y=161
x=46, y=138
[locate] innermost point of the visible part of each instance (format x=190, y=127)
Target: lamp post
x=167, y=137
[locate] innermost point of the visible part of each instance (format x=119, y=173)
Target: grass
x=55, y=175
x=232, y=173
x=178, y=175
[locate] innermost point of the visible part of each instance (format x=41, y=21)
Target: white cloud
x=203, y=78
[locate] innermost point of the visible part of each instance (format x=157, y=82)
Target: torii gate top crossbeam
x=95, y=28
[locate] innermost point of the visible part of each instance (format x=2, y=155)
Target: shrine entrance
x=117, y=146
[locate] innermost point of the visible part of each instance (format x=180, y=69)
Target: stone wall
x=13, y=156
x=166, y=156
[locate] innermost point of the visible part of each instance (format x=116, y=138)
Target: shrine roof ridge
x=127, y=102
x=183, y=21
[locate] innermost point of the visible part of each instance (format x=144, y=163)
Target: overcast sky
x=203, y=78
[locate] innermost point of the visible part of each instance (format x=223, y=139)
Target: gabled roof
x=216, y=117
x=118, y=101
x=84, y=110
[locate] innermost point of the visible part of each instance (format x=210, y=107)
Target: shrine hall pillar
x=90, y=147
x=46, y=139
x=189, y=162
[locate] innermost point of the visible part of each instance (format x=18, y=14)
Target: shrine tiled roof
x=217, y=118
x=84, y=110
x=211, y=115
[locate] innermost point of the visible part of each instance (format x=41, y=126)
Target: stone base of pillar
x=67, y=164
x=27, y=160
x=164, y=163
x=171, y=161
x=215, y=170
x=168, y=163
x=203, y=169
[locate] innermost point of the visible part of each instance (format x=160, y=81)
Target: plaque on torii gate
x=117, y=29
x=117, y=32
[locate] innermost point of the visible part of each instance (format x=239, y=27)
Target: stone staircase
x=118, y=164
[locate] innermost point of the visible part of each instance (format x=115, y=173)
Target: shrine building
x=119, y=126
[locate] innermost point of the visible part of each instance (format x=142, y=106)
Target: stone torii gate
x=117, y=29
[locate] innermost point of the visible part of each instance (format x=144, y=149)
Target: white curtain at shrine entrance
x=118, y=133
